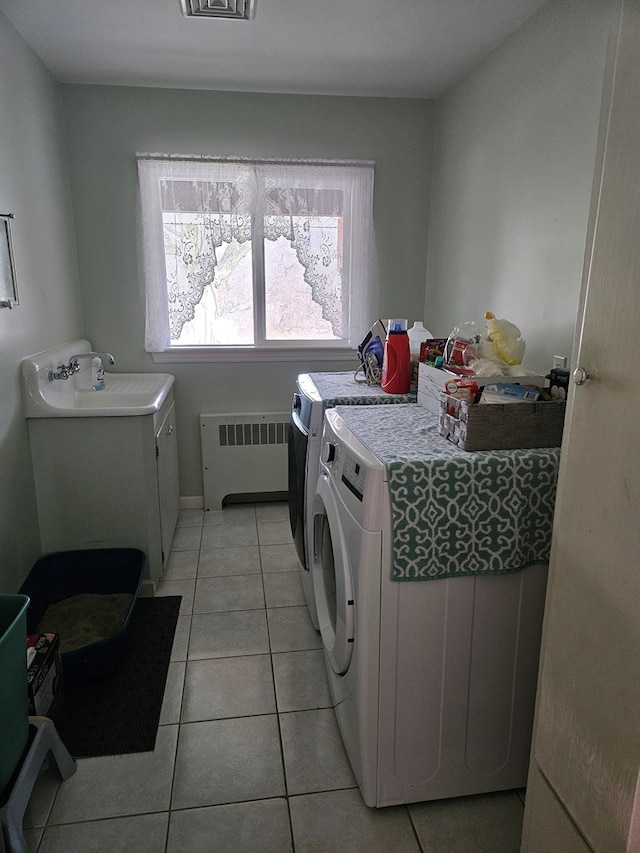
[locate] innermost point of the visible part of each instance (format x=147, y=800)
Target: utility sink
x=124, y=393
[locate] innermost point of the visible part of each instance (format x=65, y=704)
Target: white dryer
x=433, y=682
x=314, y=393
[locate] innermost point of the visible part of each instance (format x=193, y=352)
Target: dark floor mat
x=120, y=714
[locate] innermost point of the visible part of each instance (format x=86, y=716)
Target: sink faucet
x=74, y=363
x=64, y=371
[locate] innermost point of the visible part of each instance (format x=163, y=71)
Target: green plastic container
x=14, y=713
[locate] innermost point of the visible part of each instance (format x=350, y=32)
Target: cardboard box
x=44, y=673
x=431, y=381
x=509, y=392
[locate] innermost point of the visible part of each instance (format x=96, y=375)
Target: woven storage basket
x=498, y=426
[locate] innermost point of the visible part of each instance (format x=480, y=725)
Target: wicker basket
x=498, y=426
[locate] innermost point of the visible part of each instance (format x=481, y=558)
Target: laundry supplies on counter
x=432, y=382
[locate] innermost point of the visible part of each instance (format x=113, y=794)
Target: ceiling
x=408, y=48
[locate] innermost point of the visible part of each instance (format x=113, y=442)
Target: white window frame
x=359, y=260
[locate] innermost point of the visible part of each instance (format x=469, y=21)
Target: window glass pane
x=303, y=280
x=222, y=274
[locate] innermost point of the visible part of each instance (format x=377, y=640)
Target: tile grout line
x=175, y=755
x=278, y=713
x=275, y=696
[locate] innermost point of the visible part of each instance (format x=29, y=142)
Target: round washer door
x=331, y=574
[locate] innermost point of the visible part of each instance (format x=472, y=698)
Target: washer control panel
x=354, y=476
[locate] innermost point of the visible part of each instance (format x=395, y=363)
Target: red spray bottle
x=396, y=364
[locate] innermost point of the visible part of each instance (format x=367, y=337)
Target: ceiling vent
x=239, y=10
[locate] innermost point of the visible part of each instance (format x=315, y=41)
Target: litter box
x=14, y=716
x=105, y=571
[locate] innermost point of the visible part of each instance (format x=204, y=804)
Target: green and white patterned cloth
x=456, y=513
x=340, y=388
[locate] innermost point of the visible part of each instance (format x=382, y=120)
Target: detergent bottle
x=396, y=364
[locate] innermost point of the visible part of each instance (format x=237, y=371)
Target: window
x=256, y=255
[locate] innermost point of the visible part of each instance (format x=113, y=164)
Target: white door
x=587, y=731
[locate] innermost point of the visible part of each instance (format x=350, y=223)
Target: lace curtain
x=190, y=207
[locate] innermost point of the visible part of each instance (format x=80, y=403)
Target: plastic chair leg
x=46, y=742
x=65, y=763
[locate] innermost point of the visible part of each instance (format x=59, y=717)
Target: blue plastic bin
x=61, y=575
x=14, y=714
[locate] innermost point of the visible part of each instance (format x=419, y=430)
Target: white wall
x=514, y=153
x=35, y=188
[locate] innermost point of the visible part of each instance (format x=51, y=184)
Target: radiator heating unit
x=243, y=454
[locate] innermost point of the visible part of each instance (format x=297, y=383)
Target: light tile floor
x=248, y=757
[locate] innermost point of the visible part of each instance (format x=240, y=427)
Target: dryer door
x=331, y=574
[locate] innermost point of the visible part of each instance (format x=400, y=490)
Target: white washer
x=433, y=682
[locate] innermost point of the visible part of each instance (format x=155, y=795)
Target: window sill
x=253, y=354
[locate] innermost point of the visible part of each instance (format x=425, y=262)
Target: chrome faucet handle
x=74, y=361
x=63, y=371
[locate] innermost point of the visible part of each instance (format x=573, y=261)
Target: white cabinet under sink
x=108, y=482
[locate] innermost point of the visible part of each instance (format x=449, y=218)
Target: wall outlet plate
x=559, y=361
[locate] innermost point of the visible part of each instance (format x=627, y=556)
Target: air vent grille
x=239, y=435
x=238, y=10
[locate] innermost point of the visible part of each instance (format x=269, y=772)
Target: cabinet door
x=168, y=485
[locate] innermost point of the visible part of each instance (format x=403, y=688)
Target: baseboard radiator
x=243, y=454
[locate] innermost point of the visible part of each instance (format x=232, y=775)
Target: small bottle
x=396, y=364
x=417, y=336
x=97, y=374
